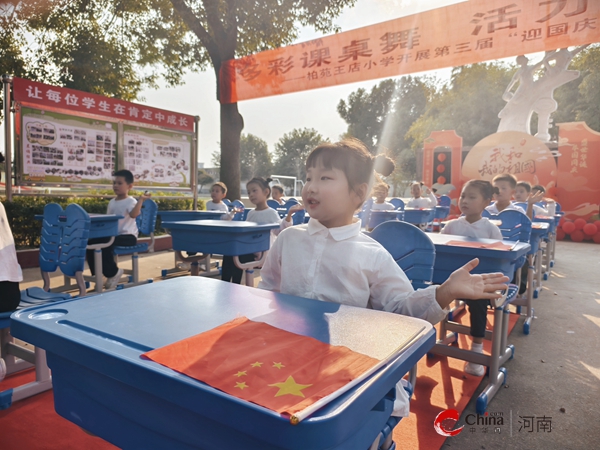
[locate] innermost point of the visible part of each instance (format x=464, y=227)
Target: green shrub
x=26, y=229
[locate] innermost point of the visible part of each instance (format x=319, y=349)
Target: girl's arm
x=433, y=201
x=270, y=274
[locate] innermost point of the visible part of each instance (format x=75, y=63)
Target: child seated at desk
x=258, y=193
x=278, y=194
x=329, y=259
x=524, y=193
x=380, y=191
x=416, y=189
x=505, y=186
x=129, y=208
x=10, y=270
x=218, y=191
x=476, y=194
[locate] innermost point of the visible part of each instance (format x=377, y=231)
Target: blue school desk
x=101, y=226
x=448, y=258
x=191, y=261
x=377, y=217
x=101, y=384
x=222, y=237
x=417, y=216
x=550, y=240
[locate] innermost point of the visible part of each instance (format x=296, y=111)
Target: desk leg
x=249, y=267
x=98, y=267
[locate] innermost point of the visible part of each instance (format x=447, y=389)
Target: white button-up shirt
x=483, y=228
x=342, y=265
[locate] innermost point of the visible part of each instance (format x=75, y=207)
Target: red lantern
x=596, y=238
x=577, y=236
x=590, y=229
x=440, y=168
x=560, y=234
x=579, y=223
x=568, y=227
x=441, y=180
x=441, y=158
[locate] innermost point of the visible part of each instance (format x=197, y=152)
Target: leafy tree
x=579, y=100
x=292, y=150
x=255, y=159
x=469, y=104
x=125, y=44
x=203, y=179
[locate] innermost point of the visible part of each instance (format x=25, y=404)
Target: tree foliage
x=292, y=150
x=203, y=179
x=255, y=158
x=116, y=47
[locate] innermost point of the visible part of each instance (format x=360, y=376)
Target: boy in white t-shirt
x=129, y=208
x=218, y=191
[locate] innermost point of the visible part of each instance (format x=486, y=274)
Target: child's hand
x=534, y=198
x=463, y=285
x=237, y=209
x=295, y=208
x=145, y=196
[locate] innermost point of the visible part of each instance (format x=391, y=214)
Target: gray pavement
x=554, y=378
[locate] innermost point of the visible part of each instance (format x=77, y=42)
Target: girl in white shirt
x=329, y=259
x=416, y=189
x=258, y=193
x=474, y=198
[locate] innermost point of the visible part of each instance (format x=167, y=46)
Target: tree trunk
x=232, y=125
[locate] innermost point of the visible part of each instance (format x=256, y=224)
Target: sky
x=270, y=118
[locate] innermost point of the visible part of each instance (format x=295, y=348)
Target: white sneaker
x=2, y=369
x=475, y=369
x=113, y=281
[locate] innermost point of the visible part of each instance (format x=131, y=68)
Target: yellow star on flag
x=242, y=385
x=290, y=387
x=240, y=374
x=256, y=364
x=278, y=365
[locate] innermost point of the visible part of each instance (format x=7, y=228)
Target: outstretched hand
x=463, y=285
x=534, y=198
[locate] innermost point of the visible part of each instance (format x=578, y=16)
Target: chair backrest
x=410, y=247
x=52, y=231
x=365, y=212
x=76, y=231
x=290, y=202
x=521, y=205
x=486, y=213
x=515, y=225
x=441, y=212
x=273, y=204
x=227, y=203
x=397, y=202
x=444, y=200
x=557, y=207
x=240, y=215
x=146, y=221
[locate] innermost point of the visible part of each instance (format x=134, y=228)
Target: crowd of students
x=329, y=258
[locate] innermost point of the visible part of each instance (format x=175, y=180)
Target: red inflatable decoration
x=577, y=236
x=568, y=227
x=560, y=234
x=595, y=238
x=562, y=221
x=597, y=223
x=590, y=229
x=579, y=223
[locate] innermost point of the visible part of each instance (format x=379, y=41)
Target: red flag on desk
x=279, y=370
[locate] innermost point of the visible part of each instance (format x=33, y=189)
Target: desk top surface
x=219, y=225
x=441, y=240
x=133, y=321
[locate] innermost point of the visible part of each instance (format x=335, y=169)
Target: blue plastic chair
x=365, y=212
x=63, y=243
x=397, y=202
x=273, y=204
x=410, y=247
x=227, y=203
x=146, y=222
x=240, y=215
x=414, y=252
x=444, y=200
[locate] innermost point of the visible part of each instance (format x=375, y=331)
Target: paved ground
x=554, y=378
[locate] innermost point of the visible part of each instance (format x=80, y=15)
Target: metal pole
x=6, y=81
x=194, y=165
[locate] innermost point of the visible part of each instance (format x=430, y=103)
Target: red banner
x=464, y=33
x=71, y=100
x=279, y=370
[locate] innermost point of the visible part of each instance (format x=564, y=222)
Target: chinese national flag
x=279, y=370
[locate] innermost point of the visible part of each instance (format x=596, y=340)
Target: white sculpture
x=536, y=95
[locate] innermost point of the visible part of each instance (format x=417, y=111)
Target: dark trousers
x=478, y=312
x=10, y=295
x=229, y=271
x=109, y=266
